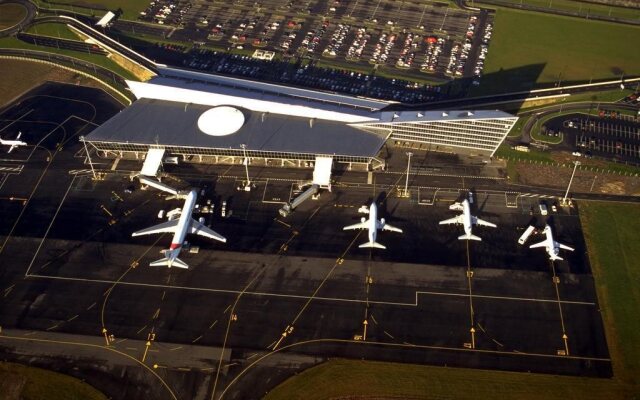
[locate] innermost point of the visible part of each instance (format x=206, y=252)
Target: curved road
x=538, y=114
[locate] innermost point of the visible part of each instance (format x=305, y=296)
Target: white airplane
x=372, y=224
x=13, y=143
x=552, y=247
x=180, y=227
x=466, y=219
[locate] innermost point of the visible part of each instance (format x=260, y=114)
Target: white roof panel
x=194, y=93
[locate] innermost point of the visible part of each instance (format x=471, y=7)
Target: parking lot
x=608, y=135
x=406, y=40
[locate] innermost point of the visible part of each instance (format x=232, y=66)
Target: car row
x=337, y=40
x=432, y=55
x=359, y=42
x=383, y=47
x=484, y=49
x=407, y=54
x=165, y=12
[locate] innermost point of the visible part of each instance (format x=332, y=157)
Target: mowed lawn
x=28, y=383
x=528, y=49
x=611, y=231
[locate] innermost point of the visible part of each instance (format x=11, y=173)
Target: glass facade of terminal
x=117, y=148
x=480, y=135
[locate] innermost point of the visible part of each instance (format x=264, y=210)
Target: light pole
x=247, y=186
x=575, y=166
x=406, y=182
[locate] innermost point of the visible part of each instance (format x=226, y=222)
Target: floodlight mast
x=406, y=182
x=247, y=186
x=575, y=166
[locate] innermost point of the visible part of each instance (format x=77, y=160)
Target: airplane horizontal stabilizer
x=166, y=262
x=371, y=245
x=169, y=226
x=556, y=258
x=469, y=237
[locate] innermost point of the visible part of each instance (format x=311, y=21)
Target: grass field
x=580, y=7
x=54, y=30
x=529, y=49
x=11, y=14
x=611, y=234
x=28, y=383
x=13, y=43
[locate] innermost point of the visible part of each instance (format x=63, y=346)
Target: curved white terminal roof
x=221, y=121
x=254, y=101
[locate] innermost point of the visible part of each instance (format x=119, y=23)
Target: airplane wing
x=454, y=220
x=169, y=226
x=541, y=244
x=564, y=246
x=387, y=227
x=361, y=225
x=19, y=134
x=11, y=148
x=478, y=221
x=200, y=229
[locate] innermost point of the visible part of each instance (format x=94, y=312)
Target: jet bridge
x=321, y=180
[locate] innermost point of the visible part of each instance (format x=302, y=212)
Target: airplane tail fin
x=469, y=237
x=371, y=245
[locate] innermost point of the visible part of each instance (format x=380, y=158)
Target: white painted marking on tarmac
x=306, y=297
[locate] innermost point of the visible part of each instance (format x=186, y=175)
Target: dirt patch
x=583, y=181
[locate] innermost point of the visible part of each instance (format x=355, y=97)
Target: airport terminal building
x=223, y=120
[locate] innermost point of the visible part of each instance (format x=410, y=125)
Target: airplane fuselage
x=551, y=247
x=466, y=217
x=183, y=223
x=373, y=218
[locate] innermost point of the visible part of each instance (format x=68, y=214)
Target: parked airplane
x=372, y=224
x=466, y=219
x=180, y=227
x=552, y=247
x=13, y=143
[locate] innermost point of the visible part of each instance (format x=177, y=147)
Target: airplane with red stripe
x=180, y=228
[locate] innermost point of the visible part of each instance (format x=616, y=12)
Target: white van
x=543, y=209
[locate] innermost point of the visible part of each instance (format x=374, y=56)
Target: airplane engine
x=363, y=220
x=382, y=221
x=201, y=220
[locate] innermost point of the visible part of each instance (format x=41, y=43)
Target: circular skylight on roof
x=221, y=121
